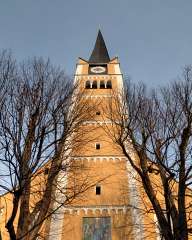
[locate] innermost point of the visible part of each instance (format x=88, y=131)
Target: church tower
x=105, y=210
x=98, y=195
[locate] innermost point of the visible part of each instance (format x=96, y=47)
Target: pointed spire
x=100, y=53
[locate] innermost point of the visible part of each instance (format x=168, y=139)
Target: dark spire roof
x=100, y=53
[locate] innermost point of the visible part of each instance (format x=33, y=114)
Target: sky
x=152, y=38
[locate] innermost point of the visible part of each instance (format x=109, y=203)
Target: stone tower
x=104, y=211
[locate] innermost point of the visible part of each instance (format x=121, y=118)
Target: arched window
x=94, y=85
x=102, y=84
x=87, y=84
x=109, y=84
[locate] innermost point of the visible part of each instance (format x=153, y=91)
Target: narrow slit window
x=46, y=171
x=87, y=85
x=102, y=84
x=97, y=146
x=94, y=85
x=98, y=190
x=109, y=84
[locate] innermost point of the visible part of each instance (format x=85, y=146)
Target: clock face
x=98, y=69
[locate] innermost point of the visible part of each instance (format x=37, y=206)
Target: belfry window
x=94, y=84
x=109, y=84
x=102, y=84
x=87, y=85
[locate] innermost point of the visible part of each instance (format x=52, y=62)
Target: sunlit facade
x=111, y=209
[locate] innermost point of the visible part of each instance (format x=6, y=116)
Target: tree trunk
x=23, y=224
x=9, y=225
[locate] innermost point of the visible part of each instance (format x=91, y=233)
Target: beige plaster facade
x=119, y=198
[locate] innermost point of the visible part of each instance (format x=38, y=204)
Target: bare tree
x=154, y=131
x=40, y=114
x=7, y=71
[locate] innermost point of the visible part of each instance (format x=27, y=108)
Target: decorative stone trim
x=99, y=209
x=56, y=224
x=97, y=96
x=100, y=77
x=100, y=158
x=135, y=199
x=1, y=211
x=157, y=227
x=106, y=122
x=97, y=122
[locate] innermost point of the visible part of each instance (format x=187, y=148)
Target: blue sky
x=153, y=38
